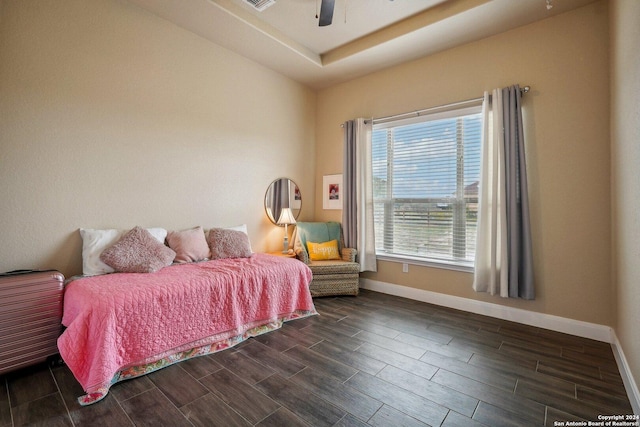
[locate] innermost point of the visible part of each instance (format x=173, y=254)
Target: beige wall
x=565, y=61
x=112, y=117
x=625, y=161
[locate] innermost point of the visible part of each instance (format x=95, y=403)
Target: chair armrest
x=303, y=256
x=349, y=254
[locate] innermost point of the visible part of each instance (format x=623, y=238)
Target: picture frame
x=295, y=199
x=332, y=191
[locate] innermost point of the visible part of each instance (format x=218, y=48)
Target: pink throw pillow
x=226, y=243
x=189, y=245
x=137, y=252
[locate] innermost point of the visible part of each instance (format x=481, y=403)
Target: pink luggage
x=30, y=317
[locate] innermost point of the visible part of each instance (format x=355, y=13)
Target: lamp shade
x=286, y=217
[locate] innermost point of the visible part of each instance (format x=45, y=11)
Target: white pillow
x=94, y=242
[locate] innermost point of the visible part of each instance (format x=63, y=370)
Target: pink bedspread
x=120, y=320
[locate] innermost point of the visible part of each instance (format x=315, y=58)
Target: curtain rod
x=523, y=90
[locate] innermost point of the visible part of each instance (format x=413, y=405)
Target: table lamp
x=286, y=218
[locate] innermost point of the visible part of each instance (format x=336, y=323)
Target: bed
x=123, y=325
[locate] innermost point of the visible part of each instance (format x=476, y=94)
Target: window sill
x=426, y=263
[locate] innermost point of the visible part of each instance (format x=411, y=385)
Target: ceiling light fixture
x=549, y=4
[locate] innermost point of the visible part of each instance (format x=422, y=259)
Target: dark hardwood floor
x=373, y=360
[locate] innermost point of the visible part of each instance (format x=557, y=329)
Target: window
x=425, y=186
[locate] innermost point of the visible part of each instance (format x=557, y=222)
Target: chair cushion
x=334, y=267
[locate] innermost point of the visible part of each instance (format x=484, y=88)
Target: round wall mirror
x=282, y=193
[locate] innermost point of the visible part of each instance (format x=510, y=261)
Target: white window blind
x=425, y=183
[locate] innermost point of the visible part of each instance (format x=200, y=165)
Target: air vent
x=260, y=5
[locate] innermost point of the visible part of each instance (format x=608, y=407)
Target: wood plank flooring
x=371, y=360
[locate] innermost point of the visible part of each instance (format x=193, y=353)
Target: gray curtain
x=278, y=190
x=519, y=245
x=504, y=259
x=357, y=202
x=349, y=191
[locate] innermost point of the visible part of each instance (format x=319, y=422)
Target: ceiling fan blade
x=326, y=12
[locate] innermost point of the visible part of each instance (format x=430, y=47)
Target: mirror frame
x=292, y=198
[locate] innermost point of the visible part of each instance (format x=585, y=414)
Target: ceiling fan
x=326, y=12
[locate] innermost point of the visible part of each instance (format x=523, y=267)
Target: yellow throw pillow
x=323, y=251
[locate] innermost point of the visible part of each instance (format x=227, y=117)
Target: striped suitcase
x=30, y=317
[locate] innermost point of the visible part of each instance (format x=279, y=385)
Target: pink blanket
x=120, y=320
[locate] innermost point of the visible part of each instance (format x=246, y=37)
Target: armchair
x=337, y=276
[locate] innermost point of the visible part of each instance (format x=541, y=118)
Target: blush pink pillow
x=225, y=243
x=189, y=245
x=137, y=251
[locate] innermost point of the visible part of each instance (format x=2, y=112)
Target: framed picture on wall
x=332, y=191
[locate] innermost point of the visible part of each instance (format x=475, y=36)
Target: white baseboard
x=627, y=378
x=541, y=320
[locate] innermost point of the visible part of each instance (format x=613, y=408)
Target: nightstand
x=286, y=255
